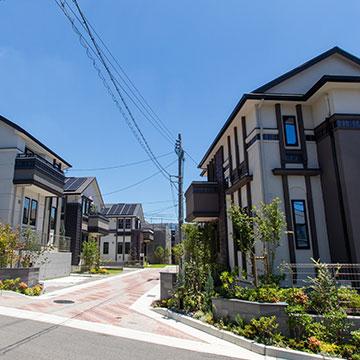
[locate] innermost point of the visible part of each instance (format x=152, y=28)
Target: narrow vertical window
x=127, y=224
x=300, y=224
x=121, y=224
x=26, y=210
x=52, y=218
x=105, y=248
x=120, y=247
x=290, y=131
x=33, y=212
x=127, y=248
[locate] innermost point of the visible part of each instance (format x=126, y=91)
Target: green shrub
x=356, y=338
x=296, y=344
x=337, y=325
x=329, y=349
x=349, y=298
x=318, y=330
x=265, y=329
x=298, y=320
x=10, y=284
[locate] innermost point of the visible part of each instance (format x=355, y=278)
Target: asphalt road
x=26, y=339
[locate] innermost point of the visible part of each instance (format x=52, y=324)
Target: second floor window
x=300, y=224
x=290, y=131
x=127, y=224
x=121, y=224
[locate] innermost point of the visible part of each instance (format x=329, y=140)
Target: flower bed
x=21, y=287
x=28, y=275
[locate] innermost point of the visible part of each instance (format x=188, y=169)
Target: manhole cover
x=118, y=317
x=64, y=301
x=151, y=295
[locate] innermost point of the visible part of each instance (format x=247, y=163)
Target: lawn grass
x=114, y=271
x=158, y=265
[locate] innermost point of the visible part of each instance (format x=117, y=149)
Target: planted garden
x=320, y=315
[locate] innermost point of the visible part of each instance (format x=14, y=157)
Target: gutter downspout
x=262, y=152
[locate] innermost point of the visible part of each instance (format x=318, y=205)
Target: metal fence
x=344, y=278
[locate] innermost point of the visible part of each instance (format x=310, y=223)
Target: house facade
x=296, y=138
x=162, y=237
x=81, y=213
x=31, y=187
x=128, y=240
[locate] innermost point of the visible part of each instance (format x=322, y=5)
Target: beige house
x=296, y=138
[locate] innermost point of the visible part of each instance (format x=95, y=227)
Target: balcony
x=50, y=242
x=98, y=224
x=148, y=235
x=32, y=169
x=202, y=201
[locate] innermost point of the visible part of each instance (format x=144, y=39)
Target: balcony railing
x=98, y=224
x=33, y=169
x=38, y=241
x=202, y=201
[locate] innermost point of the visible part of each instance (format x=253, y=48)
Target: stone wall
x=58, y=264
x=30, y=276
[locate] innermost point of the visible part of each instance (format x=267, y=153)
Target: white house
x=296, y=138
x=31, y=188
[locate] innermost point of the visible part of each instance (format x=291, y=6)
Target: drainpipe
x=262, y=152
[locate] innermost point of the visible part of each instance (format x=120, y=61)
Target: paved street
x=99, y=319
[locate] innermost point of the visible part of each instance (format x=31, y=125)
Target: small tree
x=9, y=245
x=178, y=251
x=159, y=254
x=91, y=253
x=244, y=234
x=269, y=226
x=167, y=254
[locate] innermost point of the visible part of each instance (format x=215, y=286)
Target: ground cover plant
x=21, y=287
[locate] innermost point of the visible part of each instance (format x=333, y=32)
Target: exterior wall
x=162, y=237
x=58, y=264
x=73, y=222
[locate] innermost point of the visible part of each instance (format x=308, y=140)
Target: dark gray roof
x=20, y=129
x=76, y=185
x=119, y=210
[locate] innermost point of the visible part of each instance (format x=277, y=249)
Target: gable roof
x=297, y=70
x=20, y=129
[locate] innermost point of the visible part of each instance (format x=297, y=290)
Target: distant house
x=127, y=240
x=31, y=188
x=81, y=213
x=296, y=138
x=162, y=237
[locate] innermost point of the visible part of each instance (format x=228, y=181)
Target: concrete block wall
x=58, y=264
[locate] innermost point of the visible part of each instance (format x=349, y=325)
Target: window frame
x=119, y=245
x=26, y=220
x=127, y=248
x=122, y=221
x=307, y=247
x=287, y=144
x=127, y=224
x=32, y=220
x=105, y=246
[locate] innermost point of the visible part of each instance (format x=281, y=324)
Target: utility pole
x=180, y=153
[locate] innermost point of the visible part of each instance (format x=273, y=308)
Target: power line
x=134, y=127
x=139, y=182
x=158, y=211
x=121, y=166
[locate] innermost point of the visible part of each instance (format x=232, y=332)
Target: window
x=86, y=207
x=136, y=223
x=127, y=224
x=26, y=210
x=33, y=212
x=290, y=131
x=52, y=218
x=121, y=224
x=127, y=248
x=120, y=248
x=106, y=248
x=300, y=224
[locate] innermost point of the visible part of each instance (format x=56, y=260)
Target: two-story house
x=127, y=240
x=296, y=138
x=31, y=187
x=81, y=213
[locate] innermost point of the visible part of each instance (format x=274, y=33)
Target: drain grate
x=64, y=301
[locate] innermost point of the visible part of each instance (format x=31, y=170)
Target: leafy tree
x=159, y=254
x=9, y=245
x=270, y=224
x=167, y=254
x=178, y=251
x=90, y=254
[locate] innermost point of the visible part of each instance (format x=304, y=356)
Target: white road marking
x=217, y=348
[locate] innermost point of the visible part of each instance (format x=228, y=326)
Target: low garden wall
x=248, y=310
x=54, y=265
x=30, y=276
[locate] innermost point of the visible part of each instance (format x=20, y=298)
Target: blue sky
x=192, y=61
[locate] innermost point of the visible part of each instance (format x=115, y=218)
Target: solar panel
x=125, y=210
x=132, y=209
x=74, y=184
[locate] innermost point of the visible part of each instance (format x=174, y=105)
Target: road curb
x=261, y=349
